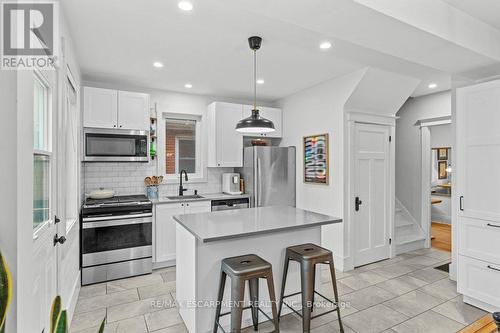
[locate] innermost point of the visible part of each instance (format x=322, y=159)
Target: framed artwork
x=442, y=173
x=442, y=154
x=316, y=163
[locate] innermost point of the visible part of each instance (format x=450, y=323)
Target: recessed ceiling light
x=432, y=86
x=260, y=81
x=158, y=64
x=185, y=5
x=188, y=85
x=325, y=45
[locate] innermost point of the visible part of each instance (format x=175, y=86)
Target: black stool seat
x=241, y=269
x=245, y=265
x=308, y=256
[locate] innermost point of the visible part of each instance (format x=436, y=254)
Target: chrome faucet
x=182, y=189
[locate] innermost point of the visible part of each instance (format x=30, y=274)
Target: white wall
x=441, y=136
x=408, y=146
x=320, y=109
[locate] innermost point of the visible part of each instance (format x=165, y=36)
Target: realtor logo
x=30, y=34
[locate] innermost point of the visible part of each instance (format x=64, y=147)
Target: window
x=179, y=146
x=42, y=154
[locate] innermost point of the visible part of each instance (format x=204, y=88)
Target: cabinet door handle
x=462, y=203
x=493, y=268
x=492, y=225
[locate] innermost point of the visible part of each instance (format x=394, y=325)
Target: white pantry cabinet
x=100, y=108
x=225, y=145
x=107, y=108
x=477, y=180
x=273, y=114
x=164, y=237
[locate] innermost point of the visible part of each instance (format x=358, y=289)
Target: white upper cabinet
x=273, y=114
x=133, y=110
x=100, y=108
x=106, y=108
x=225, y=145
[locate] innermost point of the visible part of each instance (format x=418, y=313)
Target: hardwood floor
x=483, y=325
x=441, y=236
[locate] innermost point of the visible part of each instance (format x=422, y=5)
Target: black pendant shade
x=255, y=123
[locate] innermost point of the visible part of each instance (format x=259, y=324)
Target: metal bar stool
x=240, y=269
x=308, y=256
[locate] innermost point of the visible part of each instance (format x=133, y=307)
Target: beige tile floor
x=402, y=294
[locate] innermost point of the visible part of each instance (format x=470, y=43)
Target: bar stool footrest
x=245, y=308
x=312, y=317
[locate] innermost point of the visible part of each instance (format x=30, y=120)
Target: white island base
x=198, y=272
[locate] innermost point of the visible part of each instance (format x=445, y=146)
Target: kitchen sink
x=185, y=197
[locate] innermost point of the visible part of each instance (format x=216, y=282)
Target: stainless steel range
x=116, y=238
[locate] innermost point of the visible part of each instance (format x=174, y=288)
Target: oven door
x=102, y=145
x=116, y=239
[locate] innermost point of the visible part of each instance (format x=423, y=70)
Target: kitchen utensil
x=154, y=180
x=102, y=193
x=147, y=181
x=160, y=179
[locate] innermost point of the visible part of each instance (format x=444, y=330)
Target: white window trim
x=201, y=175
x=48, y=151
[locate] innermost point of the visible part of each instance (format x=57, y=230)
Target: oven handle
x=116, y=217
x=112, y=223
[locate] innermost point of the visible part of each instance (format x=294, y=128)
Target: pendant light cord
x=255, y=79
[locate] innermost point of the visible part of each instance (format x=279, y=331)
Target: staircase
x=409, y=236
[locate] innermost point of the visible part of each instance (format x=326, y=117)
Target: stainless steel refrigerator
x=269, y=174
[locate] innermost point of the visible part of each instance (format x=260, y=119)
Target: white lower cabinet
x=164, y=235
x=479, y=280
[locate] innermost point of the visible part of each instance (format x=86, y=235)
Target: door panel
x=229, y=142
x=133, y=110
x=165, y=230
x=478, y=143
x=371, y=183
x=100, y=108
x=275, y=176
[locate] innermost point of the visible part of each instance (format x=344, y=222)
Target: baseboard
x=163, y=264
x=73, y=299
x=479, y=304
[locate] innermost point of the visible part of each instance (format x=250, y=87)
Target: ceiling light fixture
x=188, y=85
x=255, y=123
x=325, y=45
x=157, y=64
x=185, y=5
x=260, y=81
x=432, y=85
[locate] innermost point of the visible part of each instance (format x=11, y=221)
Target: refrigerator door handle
x=259, y=185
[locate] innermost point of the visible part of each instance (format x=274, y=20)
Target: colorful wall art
x=316, y=159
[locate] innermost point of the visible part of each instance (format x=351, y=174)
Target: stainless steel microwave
x=115, y=145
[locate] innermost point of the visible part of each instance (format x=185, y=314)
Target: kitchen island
x=204, y=239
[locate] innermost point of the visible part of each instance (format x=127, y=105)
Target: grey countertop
x=205, y=197
x=221, y=225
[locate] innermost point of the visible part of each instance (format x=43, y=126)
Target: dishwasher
x=228, y=204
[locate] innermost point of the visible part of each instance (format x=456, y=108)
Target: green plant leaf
x=5, y=291
x=61, y=325
x=55, y=312
x=103, y=324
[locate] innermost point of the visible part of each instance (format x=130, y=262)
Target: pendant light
x=255, y=123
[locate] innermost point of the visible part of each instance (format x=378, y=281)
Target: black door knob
x=59, y=240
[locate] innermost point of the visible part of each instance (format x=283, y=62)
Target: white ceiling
x=118, y=40
x=487, y=11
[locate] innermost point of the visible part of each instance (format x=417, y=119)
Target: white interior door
x=44, y=253
x=371, y=221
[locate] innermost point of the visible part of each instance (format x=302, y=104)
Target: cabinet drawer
x=479, y=279
x=480, y=239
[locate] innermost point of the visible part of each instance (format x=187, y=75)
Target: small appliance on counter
x=231, y=183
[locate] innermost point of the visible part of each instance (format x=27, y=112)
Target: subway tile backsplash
x=128, y=178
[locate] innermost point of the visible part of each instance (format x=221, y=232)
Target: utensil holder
x=152, y=192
